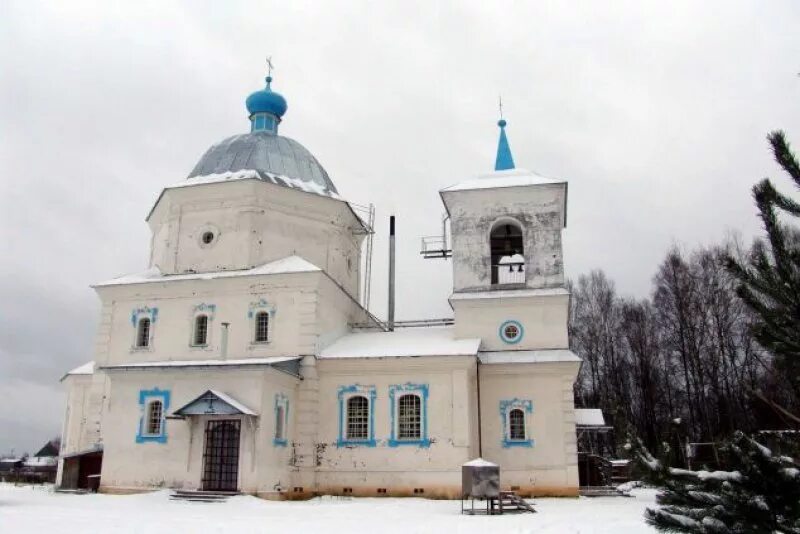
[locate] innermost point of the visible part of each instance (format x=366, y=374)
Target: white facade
x=241, y=331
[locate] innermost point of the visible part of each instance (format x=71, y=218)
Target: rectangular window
x=409, y=417
x=155, y=411
x=357, y=418
x=262, y=327
x=143, y=333
x=516, y=424
x=201, y=330
x=279, y=422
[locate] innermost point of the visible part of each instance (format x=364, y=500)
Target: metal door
x=221, y=455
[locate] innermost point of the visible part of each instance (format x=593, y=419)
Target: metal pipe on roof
x=391, y=273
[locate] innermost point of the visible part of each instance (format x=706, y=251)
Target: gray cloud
x=656, y=114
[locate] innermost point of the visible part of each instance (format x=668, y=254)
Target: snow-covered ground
x=39, y=510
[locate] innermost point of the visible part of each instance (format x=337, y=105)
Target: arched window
x=508, y=256
x=280, y=420
x=262, y=327
x=516, y=424
x=143, y=333
x=409, y=417
x=200, y=330
x=357, y=417
x=155, y=411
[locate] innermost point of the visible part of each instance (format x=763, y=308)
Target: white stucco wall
x=543, y=319
x=254, y=223
x=538, y=209
x=549, y=465
x=178, y=462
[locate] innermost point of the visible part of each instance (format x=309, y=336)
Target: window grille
x=409, y=417
x=201, y=330
x=357, y=418
x=143, y=333
x=262, y=327
x=155, y=410
x=280, y=418
x=516, y=424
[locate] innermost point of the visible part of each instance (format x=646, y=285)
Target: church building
x=242, y=358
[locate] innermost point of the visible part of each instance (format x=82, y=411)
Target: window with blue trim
x=356, y=416
x=514, y=414
x=281, y=420
x=409, y=416
x=153, y=406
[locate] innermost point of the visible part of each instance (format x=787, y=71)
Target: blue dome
x=266, y=101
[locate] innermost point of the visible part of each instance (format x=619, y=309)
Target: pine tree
x=769, y=281
x=760, y=492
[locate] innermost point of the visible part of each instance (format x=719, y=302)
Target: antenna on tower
x=500, y=104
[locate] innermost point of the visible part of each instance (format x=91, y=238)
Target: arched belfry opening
x=508, y=254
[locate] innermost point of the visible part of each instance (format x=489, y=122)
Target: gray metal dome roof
x=265, y=153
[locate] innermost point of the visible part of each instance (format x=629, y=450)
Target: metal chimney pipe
x=391, y=273
x=223, y=344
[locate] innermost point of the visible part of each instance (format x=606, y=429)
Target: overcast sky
x=656, y=114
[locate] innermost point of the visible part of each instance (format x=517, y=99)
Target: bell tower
x=508, y=271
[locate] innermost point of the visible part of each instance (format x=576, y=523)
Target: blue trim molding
x=511, y=341
x=526, y=405
x=344, y=393
x=145, y=396
x=281, y=400
x=395, y=392
x=138, y=313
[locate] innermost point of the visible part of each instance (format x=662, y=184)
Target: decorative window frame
x=143, y=313
x=395, y=392
x=344, y=393
x=260, y=305
x=502, y=334
x=202, y=309
x=146, y=396
x=526, y=405
x=281, y=401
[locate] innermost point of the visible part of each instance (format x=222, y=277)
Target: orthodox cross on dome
x=504, y=160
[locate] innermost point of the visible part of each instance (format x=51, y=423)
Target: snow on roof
x=288, y=265
x=479, y=462
x=201, y=363
x=509, y=293
x=515, y=258
x=40, y=461
x=85, y=369
x=589, y=417
x=233, y=402
x=433, y=341
x=497, y=179
x=247, y=174
x=528, y=356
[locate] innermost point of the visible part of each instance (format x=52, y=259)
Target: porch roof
x=214, y=402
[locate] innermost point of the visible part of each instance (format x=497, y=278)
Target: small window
x=262, y=327
x=357, y=418
x=516, y=424
x=208, y=237
x=143, y=333
x=280, y=420
x=409, y=417
x=200, y=330
x=155, y=410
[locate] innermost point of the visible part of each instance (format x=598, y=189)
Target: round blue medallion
x=511, y=332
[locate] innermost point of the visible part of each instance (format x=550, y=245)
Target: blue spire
x=504, y=159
